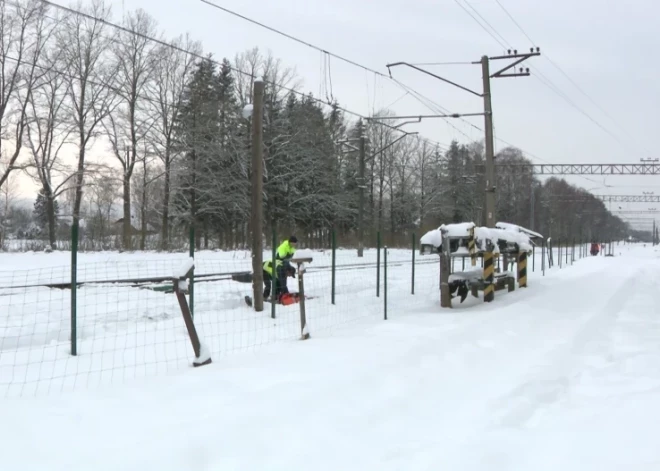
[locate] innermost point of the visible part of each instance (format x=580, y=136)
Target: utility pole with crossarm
x=488, y=110
x=508, y=71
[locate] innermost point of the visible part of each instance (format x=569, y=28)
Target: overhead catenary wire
x=216, y=62
x=556, y=66
x=194, y=54
x=442, y=63
x=538, y=74
x=291, y=37
x=368, y=70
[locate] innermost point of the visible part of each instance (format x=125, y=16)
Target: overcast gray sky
x=608, y=51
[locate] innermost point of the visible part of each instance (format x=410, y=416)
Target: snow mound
x=303, y=253
x=507, y=226
x=433, y=237
x=472, y=274
x=461, y=229
x=204, y=353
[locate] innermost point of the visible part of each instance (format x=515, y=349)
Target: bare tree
x=83, y=42
x=148, y=180
x=402, y=179
x=8, y=195
x=429, y=188
x=47, y=133
x=172, y=67
x=23, y=37
x=131, y=53
x=103, y=192
x=381, y=137
x=252, y=64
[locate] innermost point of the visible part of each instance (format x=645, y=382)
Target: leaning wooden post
x=304, y=331
x=180, y=282
x=445, y=295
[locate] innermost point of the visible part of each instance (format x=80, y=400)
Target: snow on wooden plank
x=516, y=228
x=433, y=237
x=184, y=268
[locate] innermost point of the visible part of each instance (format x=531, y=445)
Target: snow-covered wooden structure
x=469, y=240
x=505, y=238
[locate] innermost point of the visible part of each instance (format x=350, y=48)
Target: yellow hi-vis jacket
x=285, y=251
x=268, y=266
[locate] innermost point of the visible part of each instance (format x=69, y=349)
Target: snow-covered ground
x=562, y=375
x=125, y=330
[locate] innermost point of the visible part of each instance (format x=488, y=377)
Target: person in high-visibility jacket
x=287, y=248
x=282, y=271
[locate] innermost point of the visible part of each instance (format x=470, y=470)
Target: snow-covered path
x=563, y=375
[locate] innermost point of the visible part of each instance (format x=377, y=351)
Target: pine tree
x=41, y=216
x=197, y=134
x=224, y=182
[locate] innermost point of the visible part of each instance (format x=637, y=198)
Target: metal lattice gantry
x=629, y=198
x=606, y=198
x=580, y=169
x=626, y=213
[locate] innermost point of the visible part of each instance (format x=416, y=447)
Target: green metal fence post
x=74, y=287
x=378, y=264
x=191, y=286
x=273, y=283
x=412, y=283
x=334, y=263
x=385, y=282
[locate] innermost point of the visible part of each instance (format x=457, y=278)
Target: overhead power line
x=441, y=63
x=568, y=77
x=492, y=32
x=320, y=49
x=537, y=73
x=206, y=58
x=293, y=38
x=193, y=54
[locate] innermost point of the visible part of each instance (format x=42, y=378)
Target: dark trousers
x=281, y=287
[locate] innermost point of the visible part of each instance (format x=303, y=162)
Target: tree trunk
x=205, y=223
x=193, y=202
x=126, y=226
x=143, y=208
x=221, y=239
x=79, y=183
x=392, y=221
x=50, y=209
x=165, y=230
x=246, y=231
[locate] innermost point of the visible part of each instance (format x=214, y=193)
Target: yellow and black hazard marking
x=472, y=248
x=522, y=269
x=489, y=273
